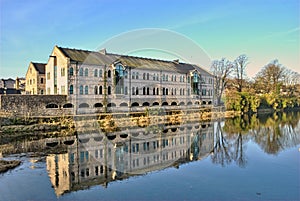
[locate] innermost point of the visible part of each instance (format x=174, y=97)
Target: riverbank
x=7, y=165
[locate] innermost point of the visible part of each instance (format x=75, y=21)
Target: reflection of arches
x=165, y=131
x=173, y=129
x=203, y=102
x=181, y=103
x=209, y=102
x=189, y=103
x=146, y=104
x=164, y=103
x=83, y=105
x=52, y=105
x=98, y=139
x=68, y=105
x=203, y=126
x=123, y=104
x=155, y=103
x=84, y=140
x=123, y=135
x=135, y=134
x=135, y=104
x=111, y=137
x=98, y=105
x=197, y=103
x=69, y=142
x=111, y=105
x=173, y=103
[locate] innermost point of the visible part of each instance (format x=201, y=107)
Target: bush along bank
x=247, y=102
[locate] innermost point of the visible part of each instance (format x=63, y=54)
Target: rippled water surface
x=245, y=158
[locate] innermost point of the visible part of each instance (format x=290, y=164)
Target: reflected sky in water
x=246, y=158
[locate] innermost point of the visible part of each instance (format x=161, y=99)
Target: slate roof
x=97, y=58
x=40, y=67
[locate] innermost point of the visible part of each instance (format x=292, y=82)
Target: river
x=244, y=158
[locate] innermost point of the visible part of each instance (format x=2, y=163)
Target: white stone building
x=97, y=81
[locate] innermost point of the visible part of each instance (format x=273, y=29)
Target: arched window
x=100, y=73
x=137, y=75
x=81, y=72
x=126, y=90
x=96, y=90
x=167, y=91
x=144, y=90
x=136, y=91
x=133, y=75
x=71, y=91
x=86, y=90
x=157, y=91
x=144, y=76
x=163, y=77
x=147, y=76
x=86, y=72
x=100, y=90
x=147, y=90
x=71, y=71
x=109, y=90
x=109, y=73
x=96, y=73
x=153, y=91
x=81, y=90
x=133, y=91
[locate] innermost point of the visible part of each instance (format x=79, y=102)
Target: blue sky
x=262, y=29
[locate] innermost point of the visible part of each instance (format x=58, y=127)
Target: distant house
x=7, y=83
x=35, y=78
x=7, y=86
x=20, y=84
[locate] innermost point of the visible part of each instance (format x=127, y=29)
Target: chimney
x=176, y=61
x=103, y=51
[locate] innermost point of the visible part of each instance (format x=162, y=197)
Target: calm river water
x=249, y=158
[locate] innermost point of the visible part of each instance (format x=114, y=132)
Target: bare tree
x=240, y=64
x=221, y=69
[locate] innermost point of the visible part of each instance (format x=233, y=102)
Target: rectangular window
x=63, y=72
x=42, y=80
x=63, y=89
x=48, y=76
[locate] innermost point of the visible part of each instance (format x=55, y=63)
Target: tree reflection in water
x=272, y=132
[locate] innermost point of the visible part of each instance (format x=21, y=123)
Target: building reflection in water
x=97, y=158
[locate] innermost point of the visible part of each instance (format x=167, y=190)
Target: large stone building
x=96, y=80
x=35, y=79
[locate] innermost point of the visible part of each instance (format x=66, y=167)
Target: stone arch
x=209, y=102
x=164, y=104
x=181, y=103
x=52, y=105
x=203, y=102
x=173, y=103
x=146, y=104
x=189, y=103
x=155, y=104
x=111, y=105
x=68, y=105
x=135, y=104
x=123, y=104
x=98, y=105
x=84, y=105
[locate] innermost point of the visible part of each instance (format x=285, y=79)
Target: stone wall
x=34, y=105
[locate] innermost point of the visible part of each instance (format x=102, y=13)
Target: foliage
x=242, y=101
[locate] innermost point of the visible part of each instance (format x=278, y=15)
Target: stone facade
x=35, y=105
x=97, y=81
x=35, y=79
